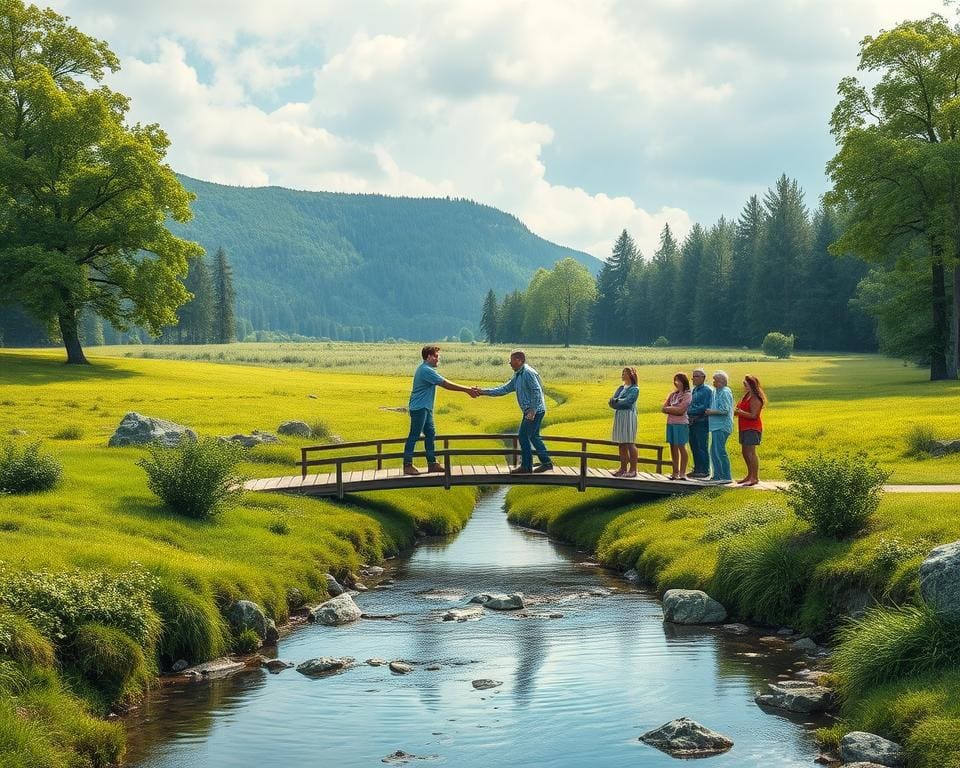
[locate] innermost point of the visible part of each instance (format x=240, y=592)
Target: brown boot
x=409, y=469
x=435, y=467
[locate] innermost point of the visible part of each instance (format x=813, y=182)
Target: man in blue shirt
x=529, y=388
x=425, y=383
x=699, y=424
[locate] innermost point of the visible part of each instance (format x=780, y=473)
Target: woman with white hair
x=720, y=415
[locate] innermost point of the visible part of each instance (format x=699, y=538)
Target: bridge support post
x=582, y=486
x=379, y=455
x=339, y=481
x=303, y=463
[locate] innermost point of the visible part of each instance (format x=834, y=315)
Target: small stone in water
x=376, y=662
x=400, y=667
x=484, y=684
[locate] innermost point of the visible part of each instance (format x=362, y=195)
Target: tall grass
x=888, y=644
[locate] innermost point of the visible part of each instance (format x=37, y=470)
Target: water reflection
x=577, y=689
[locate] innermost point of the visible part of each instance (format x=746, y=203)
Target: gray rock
x=485, y=684
x=943, y=447
x=813, y=675
x=803, y=696
x=217, y=668
x=463, y=614
x=691, y=606
x=252, y=440
x=276, y=665
x=179, y=665
x=686, y=738
x=245, y=614
x=632, y=575
x=324, y=665
x=499, y=602
x=376, y=662
x=272, y=634
x=336, y=611
x=736, y=629
x=137, y=429
x=859, y=764
x=940, y=580
x=405, y=757
x=371, y=571
x=785, y=632
x=870, y=748
x=400, y=667
x=334, y=588
x=805, y=644
x=18, y=432
x=295, y=428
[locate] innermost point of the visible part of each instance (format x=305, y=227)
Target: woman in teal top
x=624, y=403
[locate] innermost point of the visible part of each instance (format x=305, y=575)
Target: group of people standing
x=701, y=416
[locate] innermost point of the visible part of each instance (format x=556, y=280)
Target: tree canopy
x=84, y=197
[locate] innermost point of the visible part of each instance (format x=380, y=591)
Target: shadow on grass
x=36, y=371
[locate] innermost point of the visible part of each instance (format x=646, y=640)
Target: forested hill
x=364, y=266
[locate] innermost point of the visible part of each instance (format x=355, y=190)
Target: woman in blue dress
x=624, y=403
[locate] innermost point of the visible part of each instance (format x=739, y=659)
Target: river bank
x=765, y=567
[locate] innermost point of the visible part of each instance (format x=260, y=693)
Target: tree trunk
x=940, y=341
x=71, y=337
x=955, y=326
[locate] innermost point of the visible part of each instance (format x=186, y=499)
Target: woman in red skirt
x=750, y=426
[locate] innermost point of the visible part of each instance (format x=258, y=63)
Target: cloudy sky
x=582, y=118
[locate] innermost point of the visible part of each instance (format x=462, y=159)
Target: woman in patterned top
x=678, y=425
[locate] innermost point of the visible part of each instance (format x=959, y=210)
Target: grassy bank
x=750, y=552
x=101, y=519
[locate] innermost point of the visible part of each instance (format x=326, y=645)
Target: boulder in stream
x=463, y=614
x=803, y=696
x=324, y=665
x=499, y=602
x=334, y=588
x=691, y=606
x=401, y=667
x=684, y=737
x=485, y=684
x=336, y=611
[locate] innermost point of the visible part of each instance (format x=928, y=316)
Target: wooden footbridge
x=578, y=462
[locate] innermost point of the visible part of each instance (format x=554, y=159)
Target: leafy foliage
x=247, y=642
x=59, y=603
x=750, y=517
x=195, y=479
x=835, y=494
x=27, y=469
x=776, y=344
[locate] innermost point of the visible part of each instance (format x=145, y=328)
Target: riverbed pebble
x=484, y=684
x=400, y=667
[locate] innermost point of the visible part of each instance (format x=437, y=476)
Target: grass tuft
x=192, y=627
x=69, y=432
x=111, y=661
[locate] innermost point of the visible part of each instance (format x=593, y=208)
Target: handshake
x=474, y=392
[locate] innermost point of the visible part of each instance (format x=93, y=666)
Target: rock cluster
x=252, y=440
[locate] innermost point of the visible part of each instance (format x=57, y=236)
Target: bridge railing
x=446, y=453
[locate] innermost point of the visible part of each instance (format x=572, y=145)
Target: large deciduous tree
x=896, y=174
x=84, y=197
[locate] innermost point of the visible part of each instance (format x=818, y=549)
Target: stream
x=577, y=690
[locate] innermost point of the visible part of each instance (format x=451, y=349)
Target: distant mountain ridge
x=364, y=267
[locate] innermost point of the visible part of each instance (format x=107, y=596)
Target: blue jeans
x=718, y=455
x=699, y=438
x=529, y=438
x=421, y=422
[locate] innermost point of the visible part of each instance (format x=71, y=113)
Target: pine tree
x=197, y=315
x=607, y=326
x=663, y=282
x=224, y=319
x=686, y=291
x=744, y=275
x=488, y=318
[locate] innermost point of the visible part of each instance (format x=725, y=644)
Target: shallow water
x=577, y=690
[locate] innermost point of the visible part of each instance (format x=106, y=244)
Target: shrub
x=279, y=526
x=887, y=644
x=466, y=336
x=59, y=603
x=889, y=553
x=661, y=341
x=247, y=642
x=750, y=517
x=762, y=574
x=776, y=344
x=837, y=494
x=27, y=469
x=919, y=439
x=70, y=432
x=110, y=660
x=320, y=430
x=192, y=627
x=22, y=642
x=194, y=479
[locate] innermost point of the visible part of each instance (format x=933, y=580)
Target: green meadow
x=274, y=549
